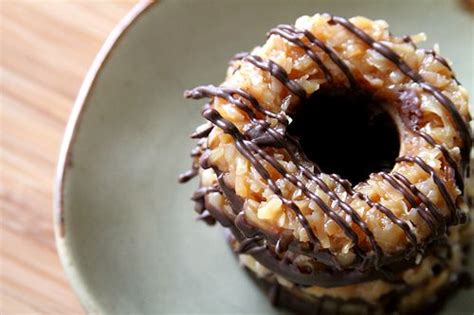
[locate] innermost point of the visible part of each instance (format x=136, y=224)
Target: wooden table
x=46, y=48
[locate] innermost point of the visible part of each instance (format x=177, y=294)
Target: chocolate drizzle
x=425, y=202
x=243, y=147
x=213, y=91
x=187, y=176
x=392, y=217
x=274, y=251
x=239, y=56
x=278, y=73
x=279, y=261
x=390, y=303
x=203, y=133
x=292, y=34
x=228, y=94
x=446, y=155
x=424, y=213
x=384, y=50
x=444, y=62
x=455, y=216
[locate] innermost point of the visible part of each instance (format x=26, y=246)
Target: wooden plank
x=46, y=49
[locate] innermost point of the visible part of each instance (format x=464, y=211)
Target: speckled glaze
x=124, y=226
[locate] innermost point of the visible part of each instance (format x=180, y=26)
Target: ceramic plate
x=125, y=228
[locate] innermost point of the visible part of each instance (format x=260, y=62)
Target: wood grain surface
x=46, y=49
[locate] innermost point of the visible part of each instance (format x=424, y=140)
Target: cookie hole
x=346, y=133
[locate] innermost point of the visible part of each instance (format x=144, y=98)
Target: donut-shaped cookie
x=279, y=113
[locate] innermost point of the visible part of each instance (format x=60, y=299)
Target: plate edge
x=65, y=153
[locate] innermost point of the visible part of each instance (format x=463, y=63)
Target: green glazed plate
x=125, y=228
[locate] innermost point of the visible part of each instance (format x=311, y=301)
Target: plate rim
x=64, y=162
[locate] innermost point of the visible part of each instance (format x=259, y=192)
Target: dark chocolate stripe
x=283, y=243
x=344, y=226
x=206, y=217
x=347, y=185
x=407, y=39
x=281, y=117
x=246, y=229
x=462, y=126
x=229, y=128
x=439, y=183
x=278, y=73
x=210, y=91
x=444, y=62
x=446, y=155
x=411, y=237
x=356, y=219
x=440, y=59
x=388, y=213
x=201, y=192
x=243, y=230
x=328, y=50
x=199, y=204
x=247, y=147
x=187, y=176
x=239, y=56
x=435, y=212
x=388, y=53
x=248, y=244
x=407, y=195
x=295, y=181
x=295, y=40
x=258, y=132
x=343, y=205
x=196, y=152
x=203, y=133
x=255, y=249
x=285, y=267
